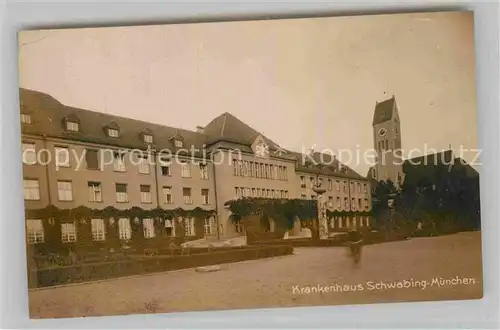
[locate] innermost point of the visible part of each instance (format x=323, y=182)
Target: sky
x=301, y=82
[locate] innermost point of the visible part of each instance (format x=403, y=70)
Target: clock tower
x=387, y=142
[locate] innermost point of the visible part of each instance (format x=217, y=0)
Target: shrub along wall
x=52, y=218
x=105, y=270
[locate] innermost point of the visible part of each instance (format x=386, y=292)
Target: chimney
x=200, y=129
x=336, y=163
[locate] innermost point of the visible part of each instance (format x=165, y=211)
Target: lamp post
x=319, y=190
x=390, y=206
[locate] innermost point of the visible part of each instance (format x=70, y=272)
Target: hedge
x=106, y=270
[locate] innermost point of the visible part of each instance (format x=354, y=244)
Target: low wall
x=339, y=240
x=105, y=270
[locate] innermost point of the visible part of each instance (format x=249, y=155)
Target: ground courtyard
x=450, y=265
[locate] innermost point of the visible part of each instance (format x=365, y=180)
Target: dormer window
x=72, y=126
x=179, y=143
x=112, y=132
x=112, y=129
x=71, y=123
x=25, y=118
x=148, y=138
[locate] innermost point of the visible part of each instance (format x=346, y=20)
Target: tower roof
x=383, y=111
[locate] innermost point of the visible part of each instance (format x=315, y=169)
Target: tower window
x=25, y=118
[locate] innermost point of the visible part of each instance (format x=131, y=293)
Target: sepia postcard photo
x=250, y=164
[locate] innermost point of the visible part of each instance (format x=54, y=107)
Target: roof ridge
x=223, y=124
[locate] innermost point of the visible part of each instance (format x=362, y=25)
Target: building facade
x=74, y=158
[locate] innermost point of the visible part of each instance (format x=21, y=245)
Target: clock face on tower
x=382, y=132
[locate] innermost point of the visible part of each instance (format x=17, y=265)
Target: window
x=273, y=195
x=330, y=201
x=238, y=226
x=237, y=192
x=185, y=170
x=204, y=171
x=29, y=153
x=34, y=231
x=92, y=159
x=353, y=203
x=148, y=227
x=275, y=173
x=62, y=156
x=64, y=191
x=248, y=192
x=235, y=167
x=346, y=188
x=144, y=164
x=360, y=205
x=31, y=189
x=167, y=193
x=303, y=196
x=68, y=232
x=262, y=171
x=286, y=194
x=366, y=203
x=145, y=193
x=207, y=225
x=170, y=227
x=25, y=118
x=364, y=187
x=338, y=202
x=95, y=192
x=320, y=182
x=98, y=230
x=254, y=192
x=337, y=185
x=245, y=168
x=186, y=194
x=148, y=138
x=165, y=165
x=124, y=229
x=189, y=226
x=346, y=202
x=240, y=168
x=204, y=196
x=330, y=184
x=285, y=173
x=118, y=162
x=112, y=132
x=311, y=179
x=121, y=193
x=251, y=169
x=179, y=144
x=313, y=197
x=72, y=126
x=359, y=187
x=302, y=182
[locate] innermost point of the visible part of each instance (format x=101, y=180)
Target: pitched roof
x=439, y=158
x=48, y=116
x=227, y=127
x=383, y=111
x=332, y=166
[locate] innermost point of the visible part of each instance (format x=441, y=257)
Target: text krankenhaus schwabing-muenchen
x=436, y=282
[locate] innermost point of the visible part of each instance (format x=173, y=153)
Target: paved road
x=285, y=281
